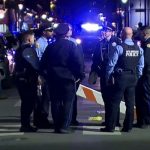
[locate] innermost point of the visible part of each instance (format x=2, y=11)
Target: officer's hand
x=41, y=80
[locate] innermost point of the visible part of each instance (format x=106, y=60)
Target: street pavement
x=86, y=136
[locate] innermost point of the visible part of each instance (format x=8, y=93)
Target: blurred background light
x=124, y=1
x=91, y=27
x=78, y=41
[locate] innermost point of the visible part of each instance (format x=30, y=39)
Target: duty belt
x=124, y=71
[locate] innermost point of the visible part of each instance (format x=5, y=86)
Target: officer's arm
x=113, y=61
x=140, y=65
x=38, y=48
x=30, y=56
x=43, y=62
x=76, y=62
x=96, y=58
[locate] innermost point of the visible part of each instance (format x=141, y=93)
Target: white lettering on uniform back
x=132, y=53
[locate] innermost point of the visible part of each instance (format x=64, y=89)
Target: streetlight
x=4, y=1
x=126, y=6
x=20, y=6
x=124, y=1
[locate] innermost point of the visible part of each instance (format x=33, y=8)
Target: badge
x=148, y=45
x=114, y=44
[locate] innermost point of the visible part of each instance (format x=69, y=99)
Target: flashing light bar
x=91, y=27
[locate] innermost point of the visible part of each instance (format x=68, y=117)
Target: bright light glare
x=10, y=57
x=78, y=41
x=44, y=16
x=91, y=27
x=2, y=15
x=55, y=25
x=124, y=1
x=50, y=19
x=30, y=14
x=20, y=6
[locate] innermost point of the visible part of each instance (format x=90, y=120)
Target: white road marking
x=95, y=130
x=10, y=125
x=10, y=130
x=17, y=104
x=12, y=134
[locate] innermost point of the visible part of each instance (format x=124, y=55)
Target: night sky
x=78, y=10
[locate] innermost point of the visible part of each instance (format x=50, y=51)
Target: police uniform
x=103, y=51
x=64, y=66
x=26, y=69
x=42, y=109
x=123, y=63
x=74, y=113
x=143, y=90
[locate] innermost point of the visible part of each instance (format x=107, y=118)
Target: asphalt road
x=86, y=136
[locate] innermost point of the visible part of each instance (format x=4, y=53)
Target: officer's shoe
x=142, y=126
x=63, y=131
x=103, y=124
x=118, y=124
x=126, y=130
x=66, y=131
x=75, y=123
x=28, y=129
x=106, y=130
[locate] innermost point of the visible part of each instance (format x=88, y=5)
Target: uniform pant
x=42, y=108
x=74, y=113
x=124, y=86
x=28, y=94
x=143, y=100
x=62, y=95
x=106, y=94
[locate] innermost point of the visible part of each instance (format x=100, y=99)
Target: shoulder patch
x=148, y=45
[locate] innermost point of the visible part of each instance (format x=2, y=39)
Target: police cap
x=62, y=29
x=109, y=28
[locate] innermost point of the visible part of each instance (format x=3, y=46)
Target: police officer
x=63, y=64
x=100, y=59
x=143, y=88
x=74, y=120
x=42, y=42
x=42, y=109
x=127, y=63
x=26, y=69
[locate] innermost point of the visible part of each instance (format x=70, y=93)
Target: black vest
x=129, y=60
x=23, y=67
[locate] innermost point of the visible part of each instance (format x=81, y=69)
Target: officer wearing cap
x=63, y=64
x=100, y=59
x=143, y=88
x=42, y=109
x=42, y=42
x=126, y=64
x=26, y=73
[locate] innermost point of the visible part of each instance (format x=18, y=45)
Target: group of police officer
x=61, y=67
x=123, y=68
